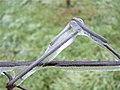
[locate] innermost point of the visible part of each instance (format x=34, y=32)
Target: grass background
x=26, y=28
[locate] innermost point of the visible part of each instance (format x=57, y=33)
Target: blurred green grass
x=27, y=28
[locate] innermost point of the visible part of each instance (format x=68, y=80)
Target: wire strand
x=62, y=63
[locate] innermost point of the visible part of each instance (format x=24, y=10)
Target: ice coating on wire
x=79, y=25
x=90, y=68
x=65, y=39
x=76, y=22
x=12, y=70
x=5, y=69
x=54, y=54
x=87, y=31
x=61, y=36
x=60, y=42
x=56, y=42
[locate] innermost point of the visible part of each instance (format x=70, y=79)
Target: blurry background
x=27, y=27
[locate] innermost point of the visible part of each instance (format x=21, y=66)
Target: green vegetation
x=26, y=28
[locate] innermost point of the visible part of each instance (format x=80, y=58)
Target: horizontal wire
x=62, y=63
